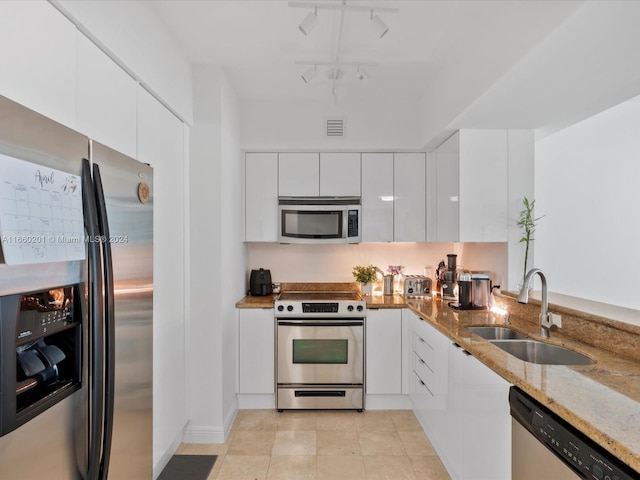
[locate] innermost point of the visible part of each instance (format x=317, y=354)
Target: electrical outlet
x=555, y=319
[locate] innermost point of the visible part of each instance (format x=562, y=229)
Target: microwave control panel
x=352, y=221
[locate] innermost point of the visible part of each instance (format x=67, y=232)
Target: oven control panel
x=320, y=309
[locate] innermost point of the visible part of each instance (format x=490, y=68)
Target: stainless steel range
x=320, y=350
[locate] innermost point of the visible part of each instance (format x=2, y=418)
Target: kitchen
x=202, y=267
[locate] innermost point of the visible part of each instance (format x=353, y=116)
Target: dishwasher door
x=544, y=446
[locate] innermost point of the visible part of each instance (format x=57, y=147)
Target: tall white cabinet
x=261, y=197
x=409, y=192
x=377, y=197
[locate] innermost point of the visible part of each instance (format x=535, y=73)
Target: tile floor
x=323, y=445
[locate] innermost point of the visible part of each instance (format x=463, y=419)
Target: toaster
x=417, y=286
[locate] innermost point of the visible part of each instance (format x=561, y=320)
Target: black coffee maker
x=447, y=277
x=260, y=282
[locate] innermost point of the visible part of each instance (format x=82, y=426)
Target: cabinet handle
x=421, y=361
x=463, y=350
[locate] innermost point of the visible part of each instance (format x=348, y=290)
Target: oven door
x=318, y=351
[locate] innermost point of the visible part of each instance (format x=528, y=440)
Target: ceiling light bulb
x=309, y=74
x=309, y=22
x=379, y=25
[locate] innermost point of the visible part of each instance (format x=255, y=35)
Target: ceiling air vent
x=335, y=127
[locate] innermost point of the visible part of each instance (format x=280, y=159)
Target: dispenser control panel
x=45, y=312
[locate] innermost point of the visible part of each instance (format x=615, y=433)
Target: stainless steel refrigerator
x=76, y=327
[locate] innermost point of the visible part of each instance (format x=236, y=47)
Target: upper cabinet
x=471, y=187
x=261, y=197
x=313, y=174
x=106, y=99
x=409, y=192
x=38, y=58
x=377, y=197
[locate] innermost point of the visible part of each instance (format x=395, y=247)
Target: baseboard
x=166, y=456
x=387, y=402
x=211, y=433
x=247, y=401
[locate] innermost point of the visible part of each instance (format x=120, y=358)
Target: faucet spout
x=523, y=297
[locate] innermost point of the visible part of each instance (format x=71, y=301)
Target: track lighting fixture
x=310, y=74
x=380, y=27
x=361, y=74
x=309, y=22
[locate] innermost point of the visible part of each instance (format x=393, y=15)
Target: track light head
x=310, y=74
x=380, y=27
x=309, y=22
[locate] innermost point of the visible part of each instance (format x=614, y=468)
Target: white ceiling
x=258, y=42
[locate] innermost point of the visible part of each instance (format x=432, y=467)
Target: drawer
x=426, y=374
x=425, y=351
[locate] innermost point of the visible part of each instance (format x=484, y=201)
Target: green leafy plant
x=528, y=223
x=365, y=274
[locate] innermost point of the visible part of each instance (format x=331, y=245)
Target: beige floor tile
x=337, y=420
x=292, y=467
x=216, y=468
x=244, y=467
x=297, y=421
x=375, y=421
x=294, y=442
x=388, y=468
x=337, y=442
x=340, y=468
x=252, y=443
x=416, y=443
x=380, y=443
x=257, y=420
x=202, y=449
x=405, y=420
x=429, y=467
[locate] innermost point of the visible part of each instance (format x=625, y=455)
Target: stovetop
x=320, y=304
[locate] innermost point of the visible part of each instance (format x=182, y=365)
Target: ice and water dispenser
x=40, y=352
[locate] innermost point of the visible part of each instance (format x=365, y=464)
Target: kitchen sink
x=542, y=353
x=497, y=333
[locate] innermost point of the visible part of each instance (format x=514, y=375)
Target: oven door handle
x=311, y=323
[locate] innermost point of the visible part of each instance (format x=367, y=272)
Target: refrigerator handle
x=96, y=323
x=109, y=324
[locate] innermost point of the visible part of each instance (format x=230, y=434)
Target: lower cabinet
x=384, y=351
x=256, y=351
x=462, y=405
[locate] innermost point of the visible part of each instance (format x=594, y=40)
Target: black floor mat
x=188, y=467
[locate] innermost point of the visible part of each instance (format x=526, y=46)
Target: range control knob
x=360, y=308
x=350, y=308
x=280, y=308
x=289, y=308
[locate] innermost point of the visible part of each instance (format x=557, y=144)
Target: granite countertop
x=601, y=400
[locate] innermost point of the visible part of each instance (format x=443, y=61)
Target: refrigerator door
x=53, y=444
x=128, y=191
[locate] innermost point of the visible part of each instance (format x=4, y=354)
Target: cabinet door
x=106, y=99
x=38, y=58
x=384, y=351
x=447, y=190
x=409, y=190
x=261, y=197
x=377, y=197
x=298, y=174
x=256, y=351
x=339, y=174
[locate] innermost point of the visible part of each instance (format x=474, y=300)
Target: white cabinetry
x=409, y=214
x=384, y=351
x=298, y=174
x=106, y=99
x=339, y=174
x=314, y=174
x=471, y=187
x=377, y=197
x=38, y=58
x=462, y=405
x=261, y=197
x=256, y=351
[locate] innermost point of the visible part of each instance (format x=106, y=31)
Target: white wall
x=285, y=125
x=586, y=188
x=334, y=263
x=217, y=256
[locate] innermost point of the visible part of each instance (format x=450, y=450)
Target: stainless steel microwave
x=319, y=220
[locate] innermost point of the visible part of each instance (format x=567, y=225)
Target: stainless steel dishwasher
x=544, y=446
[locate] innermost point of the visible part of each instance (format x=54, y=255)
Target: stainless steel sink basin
x=497, y=333
x=542, y=353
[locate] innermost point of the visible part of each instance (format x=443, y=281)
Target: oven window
x=320, y=351
x=312, y=224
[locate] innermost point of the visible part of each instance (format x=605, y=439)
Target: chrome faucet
x=546, y=322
